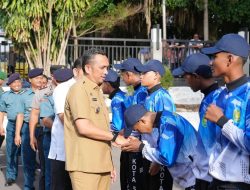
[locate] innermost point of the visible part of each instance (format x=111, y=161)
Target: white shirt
x=57, y=147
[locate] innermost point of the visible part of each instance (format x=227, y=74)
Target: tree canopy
x=42, y=27
x=187, y=16
x=224, y=15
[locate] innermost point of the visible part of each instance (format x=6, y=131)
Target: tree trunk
x=75, y=42
x=205, y=22
x=147, y=10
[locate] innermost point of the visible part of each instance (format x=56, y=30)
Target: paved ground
x=175, y=92
x=19, y=184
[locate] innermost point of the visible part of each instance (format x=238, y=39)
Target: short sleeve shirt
x=85, y=101
x=39, y=96
x=8, y=103
x=47, y=107
x=57, y=147
x=24, y=105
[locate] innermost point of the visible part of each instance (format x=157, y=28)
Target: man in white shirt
x=194, y=45
x=59, y=176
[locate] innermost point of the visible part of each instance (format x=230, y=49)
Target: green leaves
x=234, y=11
x=172, y=4
x=42, y=27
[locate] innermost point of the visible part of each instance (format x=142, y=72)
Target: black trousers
x=60, y=179
x=191, y=188
x=39, y=138
x=201, y=184
x=226, y=185
x=131, y=171
x=1, y=140
x=163, y=180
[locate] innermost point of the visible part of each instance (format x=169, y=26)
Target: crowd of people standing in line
x=67, y=121
x=175, y=51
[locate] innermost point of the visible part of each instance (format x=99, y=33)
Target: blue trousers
x=39, y=138
x=46, y=147
x=28, y=158
x=11, y=151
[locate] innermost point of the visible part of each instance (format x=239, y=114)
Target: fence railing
x=118, y=49
x=175, y=51
x=12, y=61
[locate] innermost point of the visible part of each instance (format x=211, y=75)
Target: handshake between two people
x=130, y=144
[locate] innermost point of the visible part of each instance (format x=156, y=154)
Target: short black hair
x=115, y=84
x=244, y=60
x=88, y=55
x=78, y=63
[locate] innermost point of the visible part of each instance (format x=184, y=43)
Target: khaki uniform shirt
x=85, y=100
x=39, y=96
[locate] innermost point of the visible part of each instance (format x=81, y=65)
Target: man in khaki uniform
x=86, y=121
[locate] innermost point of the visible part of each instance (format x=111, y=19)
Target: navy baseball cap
x=62, y=75
x=231, y=43
x=35, y=72
x=112, y=76
x=144, y=51
x=152, y=65
x=129, y=65
x=13, y=77
x=195, y=63
x=131, y=116
x=53, y=68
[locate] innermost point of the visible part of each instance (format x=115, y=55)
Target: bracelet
x=115, y=135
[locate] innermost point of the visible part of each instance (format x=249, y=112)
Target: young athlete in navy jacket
x=158, y=99
x=198, y=74
x=229, y=161
x=111, y=86
x=131, y=168
x=179, y=145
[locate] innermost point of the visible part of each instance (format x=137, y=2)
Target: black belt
x=13, y=121
x=47, y=132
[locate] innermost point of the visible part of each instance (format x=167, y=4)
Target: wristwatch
x=115, y=135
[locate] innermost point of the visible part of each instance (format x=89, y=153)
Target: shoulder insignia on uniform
x=48, y=94
x=22, y=91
